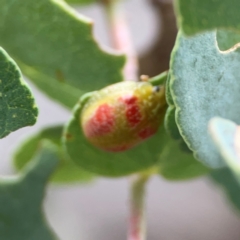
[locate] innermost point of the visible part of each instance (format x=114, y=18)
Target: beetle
x=120, y=116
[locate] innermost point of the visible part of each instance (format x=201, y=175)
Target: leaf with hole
x=204, y=83
x=61, y=47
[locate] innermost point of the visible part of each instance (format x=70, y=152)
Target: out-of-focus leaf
x=82, y=2
x=176, y=163
x=227, y=39
x=17, y=107
x=170, y=123
x=52, y=39
x=63, y=93
x=226, y=136
x=202, y=15
x=168, y=91
x=160, y=79
x=204, y=83
x=229, y=184
x=83, y=153
x=67, y=171
x=21, y=198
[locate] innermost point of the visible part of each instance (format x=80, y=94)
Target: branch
x=121, y=37
x=137, y=229
x=157, y=59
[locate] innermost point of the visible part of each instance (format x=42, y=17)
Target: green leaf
x=176, y=164
x=202, y=15
x=227, y=39
x=170, y=123
x=159, y=79
x=63, y=93
x=226, y=136
x=172, y=128
x=67, y=171
x=21, y=199
x=17, y=107
x=204, y=83
x=110, y=164
x=58, y=43
x=168, y=91
x=229, y=185
x=169, y=120
x=176, y=160
x=82, y=2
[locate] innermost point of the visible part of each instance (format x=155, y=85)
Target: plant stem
x=137, y=228
x=122, y=41
x=121, y=38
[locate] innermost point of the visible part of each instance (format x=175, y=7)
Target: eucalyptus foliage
x=54, y=47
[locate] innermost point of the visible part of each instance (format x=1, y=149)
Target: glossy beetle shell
x=122, y=115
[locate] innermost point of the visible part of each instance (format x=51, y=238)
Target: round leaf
x=204, y=83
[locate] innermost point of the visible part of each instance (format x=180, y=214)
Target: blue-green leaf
x=204, y=83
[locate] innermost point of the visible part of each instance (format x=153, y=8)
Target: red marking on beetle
x=146, y=132
x=101, y=123
x=133, y=113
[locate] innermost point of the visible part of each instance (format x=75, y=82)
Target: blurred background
x=195, y=209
